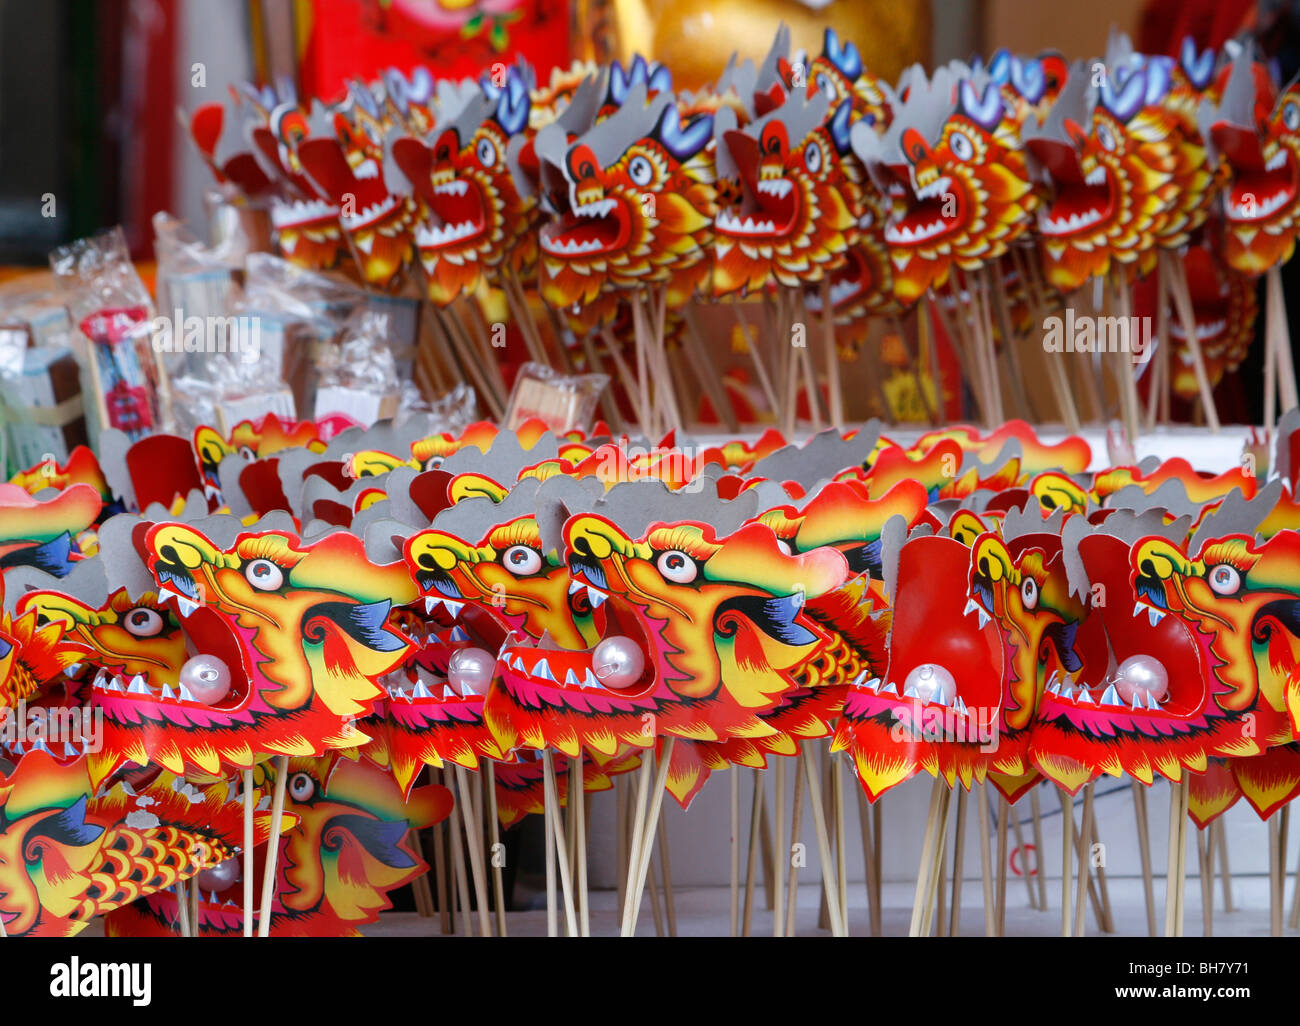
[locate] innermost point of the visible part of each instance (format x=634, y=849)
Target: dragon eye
x=1106, y=137
x=143, y=622
x=487, y=152
x=677, y=567
x=640, y=170
x=961, y=146
x=812, y=157
x=826, y=86
x=1029, y=593
x=433, y=462
x=1225, y=580
x=1291, y=116
x=247, y=453
x=301, y=787
x=521, y=560
x=264, y=575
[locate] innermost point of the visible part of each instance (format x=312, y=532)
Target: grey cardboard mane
x=1236, y=105
x=826, y=454
x=196, y=505
x=1235, y=515
x=1125, y=525
x=769, y=72
x=1171, y=496
x=635, y=505
x=381, y=537
x=1011, y=450
x=504, y=459
x=893, y=536
x=228, y=471
x=471, y=519
x=123, y=567
x=1281, y=456
x=316, y=488
x=1019, y=522
x=634, y=119
x=113, y=445
x=86, y=583
x=1073, y=102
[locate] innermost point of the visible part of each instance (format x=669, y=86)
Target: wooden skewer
x=755, y=830
x=735, y=851
x=868, y=859
x=666, y=875
x=557, y=828
x=841, y=859
x=456, y=826
x=420, y=889
x=832, y=356
x=1067, y=859
x=958, y=865
x=653, y=893
x=474, y=838
x=1177, y=857
x=1105, y=921
x=824, y=847
x=751, y=345
x=182, y=907
x=441, y=882
x=1182, y=297
x=1020, y=847
x=926, y=866
x=638, y=828
x=273, y=845
x=779, y=859
x=494, y=833
x=986, y=869
x=1085, y=862
x=248, y=852
x=1224, y=870
x=1144, y=852
x=940, y=913
x=1207, y=883
x=1040, y=859
x=796, y=821
x=1285, y=365
x=648, y=833
x=622, y=829
x=1004, y=814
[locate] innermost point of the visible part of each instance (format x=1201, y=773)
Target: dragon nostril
x=582, y=545
x=169, y=554
x=427, y=561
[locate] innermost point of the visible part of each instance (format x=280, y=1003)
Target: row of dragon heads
x=773, y=595
x=772, y=180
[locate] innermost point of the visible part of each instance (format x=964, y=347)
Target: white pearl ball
x=928, y=680
x=1142, y=675
x=619, y=662
x=217, y=878
x=471, y=670
x=207, y=678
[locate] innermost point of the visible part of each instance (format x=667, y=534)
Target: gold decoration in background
x=695, y=37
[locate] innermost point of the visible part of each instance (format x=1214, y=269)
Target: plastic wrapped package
x=358, y=374
x=562, y=401
x=115, y=324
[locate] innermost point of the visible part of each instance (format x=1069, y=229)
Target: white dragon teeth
x=729, y=222
x=775, y=186
x=430, y=236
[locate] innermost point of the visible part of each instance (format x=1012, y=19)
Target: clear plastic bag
x=116, y=334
